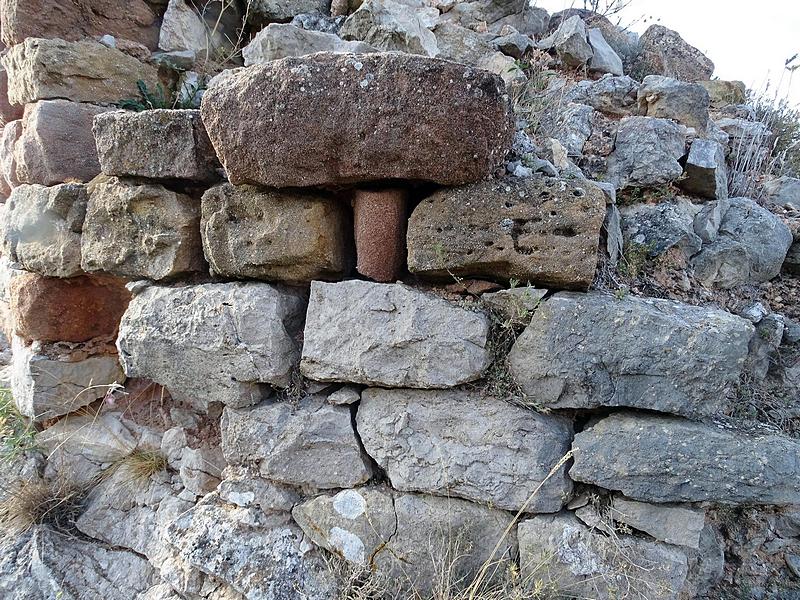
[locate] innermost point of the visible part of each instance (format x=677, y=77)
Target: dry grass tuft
x=140, y=464
x=26, y=504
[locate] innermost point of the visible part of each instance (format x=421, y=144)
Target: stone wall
x=388, y=311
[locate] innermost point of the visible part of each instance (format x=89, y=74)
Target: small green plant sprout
x=149, y=100
x=17, y=434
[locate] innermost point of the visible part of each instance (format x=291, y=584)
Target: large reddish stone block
x=379, y=218
x=57, y=144
x=50, y=309
x=387, y=115
x=76, y=19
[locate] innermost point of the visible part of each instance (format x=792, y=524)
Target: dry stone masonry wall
x=309, y=300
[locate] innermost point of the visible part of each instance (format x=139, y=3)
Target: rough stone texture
x=668, y=98
x=434, y=105
x=379, y=223
x=56, y=144
x=46, y=564
x=604, y=59
x=84, y=71
x=463, y=45
x=543, y=231
x=8, y=112
x=590, y=350
x=574, y=127
x=260, y=555
x=157, y=144
x=516, y=305
x=45, y=387
x=399, y=541
x=228, y=338
x=750, y=248
x=668, y=459
x=527, y=19
x=77, y=19
x=654, y=230
x=140, y=230
x=390, y=25
x=391, y=335
x=279, y=40
x=724, y=93
x=664, y=52
x=285, y=10
x=784, y=191
x=569, y=42
x=310, y=444
x=621, y=41
x=203, y=30
x=582, y=563
x=8, y=162
x=705, y=172
x=42, y=228
x=454, y=443
x=646, y=152
x=275, y=235
x=354, y=524
x=38, y=307
x=676, y=525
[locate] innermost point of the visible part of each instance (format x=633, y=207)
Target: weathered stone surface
x=620, y=40
x=646, y=153
x=279, y=40
x=668, y=98
x=38, y=307
x=580, y=562
x=8, y=112
x=664, y=52
x=157, y=144
x=543, y=231
x=310, y=444
x=77, y=19
x=354, y=524
x=655, y=229
x=379, y=224
x=750, y=248
x=227, y=338
x=463, y=45
x=398, y=537
x=590, y=350
x=705, y=172
x=569, y=42
x=275, y=235
x=285, y=10
x=723, y=93
x=56, y=144
x=84, y=71
x=391, y=335
x=42, y=228
x=455, y=443
x=201, y=469
x=46, y=564
x=668, y=459
x=604, y=59
x=8, y=162
x=676, y=525
x=389, y=25
x=514, y=44
x=45, y=387
x=573, y=127
x=434, y=105
x=261, y=556
x=784, y=191
x=140, y=230
x=496, y=14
